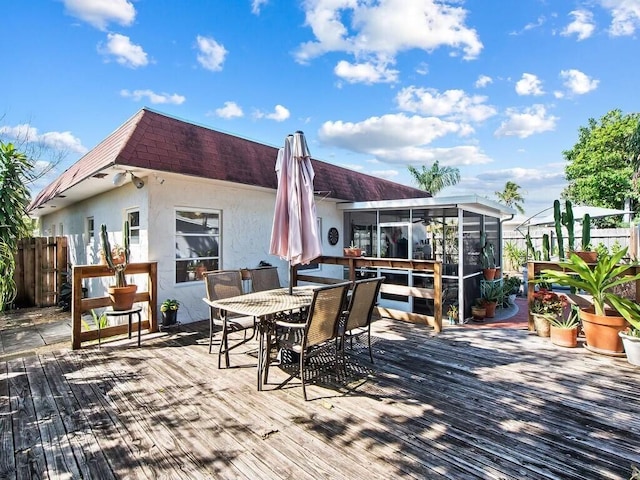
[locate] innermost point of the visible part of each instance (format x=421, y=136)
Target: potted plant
x=169, y=310
x=546, y=306
x=564, y=331
x=600, y=323
x=487, y=258
x=452, y=314
x=479, y=310
x=511, y=289
x=352, y=251
x=631, y=335
x=122, y=295
x=492, y=294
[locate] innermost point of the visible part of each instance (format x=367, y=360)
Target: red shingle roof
x=155, y=141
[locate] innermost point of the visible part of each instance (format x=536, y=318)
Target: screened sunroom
x=446, y=229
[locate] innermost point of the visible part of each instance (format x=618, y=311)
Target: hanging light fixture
x=138, y=182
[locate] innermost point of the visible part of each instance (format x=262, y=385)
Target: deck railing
x=355, y=264
x=80, y=305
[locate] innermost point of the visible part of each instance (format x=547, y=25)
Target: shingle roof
x=154, y=141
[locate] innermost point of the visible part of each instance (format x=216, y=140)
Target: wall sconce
x=120, y=177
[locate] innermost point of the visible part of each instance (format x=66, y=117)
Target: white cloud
x=156, y=98
x=386, y=174
x=454, y=104
x=577, y=82
x=280, y=114
x=211, y=53
x=100, y=13
x=366, y=73
x=375, y=32
x=400, y=139
x=582, y=25
x=625, y=16
x=64, y=141
x=483, y=81
x=529, y=84
x=125, y=52
x=527, y=122
x=230, y=110
x=256, y=5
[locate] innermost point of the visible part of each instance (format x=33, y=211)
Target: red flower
x=548, y=303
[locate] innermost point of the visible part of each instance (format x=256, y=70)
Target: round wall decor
x=333, y=236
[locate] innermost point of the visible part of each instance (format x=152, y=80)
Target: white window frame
x=197, y=262
x=134, y=230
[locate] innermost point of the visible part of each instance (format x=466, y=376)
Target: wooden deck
x=466, y=403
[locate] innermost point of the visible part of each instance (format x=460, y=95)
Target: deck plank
x=465, y=403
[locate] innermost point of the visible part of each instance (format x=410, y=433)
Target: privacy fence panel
x=41, y=268
x=612, y=238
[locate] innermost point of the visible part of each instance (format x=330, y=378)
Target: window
x=90, y=228
x=133, y=217
x=197, y=243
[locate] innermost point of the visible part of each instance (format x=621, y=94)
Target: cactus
x=557, y=216
x=586, y=232
x=529, y=243
x=117, y=268
x=569, y=224
x=545, y=247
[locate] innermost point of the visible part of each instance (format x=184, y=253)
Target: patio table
x=263, y=306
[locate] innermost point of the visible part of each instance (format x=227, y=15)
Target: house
x=196, y=199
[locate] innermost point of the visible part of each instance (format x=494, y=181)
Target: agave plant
x=117, y=268
x=597, y=281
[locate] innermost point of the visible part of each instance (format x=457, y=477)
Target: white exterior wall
x=246, y=212
x=247, y=216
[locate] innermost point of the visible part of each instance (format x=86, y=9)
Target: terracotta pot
x=489, y=273
x=543, y=326
x=564, y=337
x=352, y=252
x=490, y=308
x=122, y=297
x=589, y=257
x=601, y=331
x=632, y=347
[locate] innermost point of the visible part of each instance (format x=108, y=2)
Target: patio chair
x=225, y=284
x=319, y=329
x=264, y=278
x=357, y=317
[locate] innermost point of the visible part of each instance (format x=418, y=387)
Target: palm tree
x=435, y=178
x=511, y=197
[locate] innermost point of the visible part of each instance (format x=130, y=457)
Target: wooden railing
x=535, y=268
x=424, y=266
x=80, y=305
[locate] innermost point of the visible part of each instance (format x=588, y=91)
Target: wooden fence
x=41, y=268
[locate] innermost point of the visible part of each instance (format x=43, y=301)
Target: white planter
x=511, y=298
x=631, y=347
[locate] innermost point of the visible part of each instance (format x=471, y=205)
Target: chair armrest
x=290, y=325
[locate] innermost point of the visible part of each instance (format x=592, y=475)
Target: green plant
x=557, y=217
x=487, y=253
x=571, y=321
x=515, y=256
x=169, y=304
x=512, y=285
x=586, y=233
x=118, y=251
x=99, y=320
x=493, y=292
x=598, y=282
x=452, y=312
x=630, y=311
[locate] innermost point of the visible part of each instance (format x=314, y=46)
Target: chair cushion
x=240, y=323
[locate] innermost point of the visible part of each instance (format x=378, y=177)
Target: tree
x=511, y=197
x=15, y=170
x=600, y=166
x=435, y=178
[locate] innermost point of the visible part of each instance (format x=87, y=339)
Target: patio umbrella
x=295, y=236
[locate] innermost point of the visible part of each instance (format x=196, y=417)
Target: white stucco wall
x=247, y=215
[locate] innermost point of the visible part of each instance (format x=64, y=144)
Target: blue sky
x=496, y=88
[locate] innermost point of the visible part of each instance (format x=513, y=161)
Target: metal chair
x=225, y=284
x=320, y=327
x=357, y=317
x=264, y=278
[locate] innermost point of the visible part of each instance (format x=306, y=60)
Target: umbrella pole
x=290, y=279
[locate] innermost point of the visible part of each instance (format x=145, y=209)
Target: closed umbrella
x=295, y=236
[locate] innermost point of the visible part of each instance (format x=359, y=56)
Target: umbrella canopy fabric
x=295, y=236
